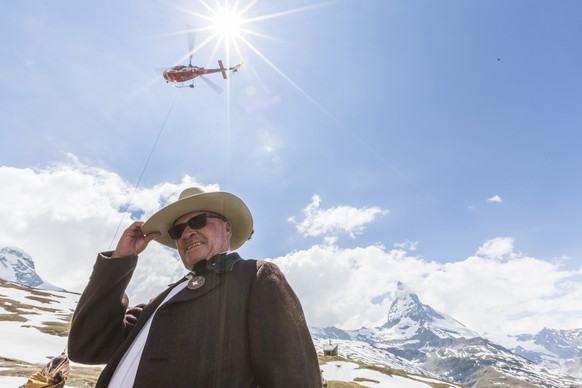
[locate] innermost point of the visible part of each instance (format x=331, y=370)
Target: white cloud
x=64, y=214
x=352, y=288
x=500, y=248
x=334, y=221
x=495, y=199
x=407, y=245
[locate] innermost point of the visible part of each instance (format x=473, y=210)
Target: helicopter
x=180, y=74
x=183, y=73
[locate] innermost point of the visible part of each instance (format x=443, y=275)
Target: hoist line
x=143, y=170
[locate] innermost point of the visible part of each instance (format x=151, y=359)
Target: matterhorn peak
x=407, y=306
x=407, y=312
x=18, y=267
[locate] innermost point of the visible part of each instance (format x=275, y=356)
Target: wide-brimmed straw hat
x=195, y=199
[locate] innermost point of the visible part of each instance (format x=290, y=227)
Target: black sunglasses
x=197, y=222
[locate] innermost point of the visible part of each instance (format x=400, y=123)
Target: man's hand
x=133, y=241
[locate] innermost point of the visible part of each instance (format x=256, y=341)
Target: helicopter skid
x=184, y=86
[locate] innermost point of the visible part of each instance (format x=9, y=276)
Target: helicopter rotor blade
x=217, y=89
x=191, y=43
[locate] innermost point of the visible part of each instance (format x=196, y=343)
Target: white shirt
x=124, y=375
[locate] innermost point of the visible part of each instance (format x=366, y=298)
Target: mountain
x=555, y=349
x=417, y=336
x=562, y=344
x=18, y=267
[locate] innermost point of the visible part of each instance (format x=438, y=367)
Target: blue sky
x=441, y=128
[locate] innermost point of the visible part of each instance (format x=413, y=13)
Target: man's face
x=199, y=244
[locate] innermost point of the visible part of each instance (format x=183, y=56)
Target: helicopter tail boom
x=222, y=69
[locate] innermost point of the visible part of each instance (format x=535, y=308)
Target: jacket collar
x=216, y=266
x=221, y=263
x=224, y=262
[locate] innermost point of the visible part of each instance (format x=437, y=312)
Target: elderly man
x=228, y=323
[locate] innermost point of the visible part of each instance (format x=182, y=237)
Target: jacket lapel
x=210, y=281
x=146, y=313
x=218, y=264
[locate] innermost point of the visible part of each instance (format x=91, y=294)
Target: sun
x=227, y=24
x=225, y=21
x=230, y=23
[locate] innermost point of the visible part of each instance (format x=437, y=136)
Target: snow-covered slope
x=33, y=329
x=350, y=371
x=362, y=351
x=34, y=323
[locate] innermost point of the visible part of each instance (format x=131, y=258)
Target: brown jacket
x=243, y=328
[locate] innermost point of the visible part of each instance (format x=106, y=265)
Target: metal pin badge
x=196, y=282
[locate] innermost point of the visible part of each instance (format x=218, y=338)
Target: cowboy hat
x=195, y=199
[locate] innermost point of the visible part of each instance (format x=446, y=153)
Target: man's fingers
x=150, y=236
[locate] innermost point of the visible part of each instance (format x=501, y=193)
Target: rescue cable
x=143, y=170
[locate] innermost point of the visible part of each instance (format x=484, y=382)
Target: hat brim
x=226, y=204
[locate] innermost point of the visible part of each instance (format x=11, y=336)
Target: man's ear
x=228, y=228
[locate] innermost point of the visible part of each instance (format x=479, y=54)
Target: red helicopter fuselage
x=185, y=73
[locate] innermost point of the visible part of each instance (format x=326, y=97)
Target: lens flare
x=227, y=24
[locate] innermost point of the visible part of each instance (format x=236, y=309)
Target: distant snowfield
x=29, y=344
x=23, y=340
x=348, y=371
